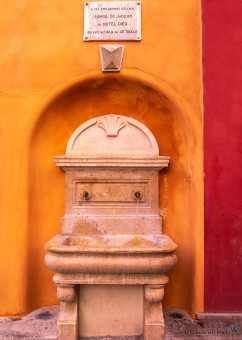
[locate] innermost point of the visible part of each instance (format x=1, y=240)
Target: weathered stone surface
x=111, y=231
x=110, y=263
x=111, y=279
x=147, y=245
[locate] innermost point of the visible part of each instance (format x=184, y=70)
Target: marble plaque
x=112, y=20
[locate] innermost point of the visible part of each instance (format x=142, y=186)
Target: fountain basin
x=152, y=254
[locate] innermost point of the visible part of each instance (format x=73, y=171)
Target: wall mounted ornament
x=112, y=124
x=111, y=57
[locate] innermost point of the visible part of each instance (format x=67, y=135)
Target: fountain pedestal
x=111, y=230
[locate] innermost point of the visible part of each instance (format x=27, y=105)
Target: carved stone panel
x=122, y=132
x=111, y=192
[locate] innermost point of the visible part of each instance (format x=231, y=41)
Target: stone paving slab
x=41, y=325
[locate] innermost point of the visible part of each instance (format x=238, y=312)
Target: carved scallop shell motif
x=112, y=124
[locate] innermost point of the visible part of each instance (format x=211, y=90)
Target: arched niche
x=178, y=132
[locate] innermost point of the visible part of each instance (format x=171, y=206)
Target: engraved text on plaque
x=112, y=20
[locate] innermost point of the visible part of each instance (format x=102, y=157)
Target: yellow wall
x=51, y=82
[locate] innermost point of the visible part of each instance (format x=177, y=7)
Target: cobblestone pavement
x=41, y=325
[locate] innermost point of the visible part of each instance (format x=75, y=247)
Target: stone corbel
x=66, y=293
x=154, y=293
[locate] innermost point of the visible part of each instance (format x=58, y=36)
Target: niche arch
x=178, y=132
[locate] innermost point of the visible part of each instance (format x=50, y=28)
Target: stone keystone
x=111, y=57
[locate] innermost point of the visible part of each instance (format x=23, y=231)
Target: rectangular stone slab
x=118, y=20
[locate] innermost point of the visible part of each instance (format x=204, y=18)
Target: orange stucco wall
x=51, y=82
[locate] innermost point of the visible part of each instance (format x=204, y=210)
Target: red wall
x=222, y=66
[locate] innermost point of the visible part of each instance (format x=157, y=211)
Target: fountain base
x=110, y=260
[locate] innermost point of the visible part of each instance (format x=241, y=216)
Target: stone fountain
x=111, y=231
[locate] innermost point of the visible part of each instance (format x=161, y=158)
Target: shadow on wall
x=178, y=136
